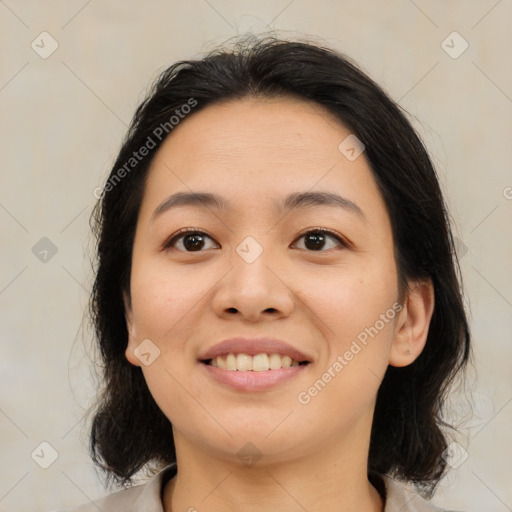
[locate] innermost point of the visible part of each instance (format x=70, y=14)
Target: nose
x=254, y=291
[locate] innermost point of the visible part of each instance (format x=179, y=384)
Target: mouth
x=253, y=363
x=245, y=373
x=250, y=365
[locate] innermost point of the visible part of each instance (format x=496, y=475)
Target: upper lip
x=254, y=347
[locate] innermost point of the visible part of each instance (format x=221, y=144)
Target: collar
x=148, y=497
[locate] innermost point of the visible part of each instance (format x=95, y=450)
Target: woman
x=276, y=302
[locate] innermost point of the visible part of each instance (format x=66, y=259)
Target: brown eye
x=188, y=241
x=318, y=239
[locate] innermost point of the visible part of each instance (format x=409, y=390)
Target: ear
x=413, y=324
x=130, y=326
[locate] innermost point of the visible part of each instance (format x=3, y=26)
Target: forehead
x=255, y=151
x=233, y=129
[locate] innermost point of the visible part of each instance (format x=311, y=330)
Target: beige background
x=63, y=118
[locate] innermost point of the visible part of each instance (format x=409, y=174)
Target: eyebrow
x=292, y=201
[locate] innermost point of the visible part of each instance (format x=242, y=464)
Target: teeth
x=221, y=363
x=257, y=363
x=286, y=361
x=260, y=363
x=274, y=361
x=243, y=362
x=230, y=362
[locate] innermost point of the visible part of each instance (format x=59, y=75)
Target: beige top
x=148, y=498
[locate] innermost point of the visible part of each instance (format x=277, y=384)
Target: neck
x=328, y=480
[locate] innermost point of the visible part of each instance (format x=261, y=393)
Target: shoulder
x=146, y=497
x=404, y=499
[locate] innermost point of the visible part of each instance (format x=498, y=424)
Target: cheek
x=350, y=298
x=163, y=302
x=360, y=330
x=358, y=308
x=161, y=298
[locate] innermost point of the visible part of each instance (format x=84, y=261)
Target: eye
x=193, y=240
x=316, y=239
x=190, y=240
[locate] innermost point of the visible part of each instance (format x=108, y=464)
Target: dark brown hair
x=128, y=429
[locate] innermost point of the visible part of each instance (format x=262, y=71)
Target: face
x=317, y=279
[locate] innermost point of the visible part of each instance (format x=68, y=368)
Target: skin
x=313, y=456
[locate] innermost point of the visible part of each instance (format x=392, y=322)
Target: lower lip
x=251, y=380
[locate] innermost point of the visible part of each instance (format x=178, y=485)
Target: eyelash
x=182, y=232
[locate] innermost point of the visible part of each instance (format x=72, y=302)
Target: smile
x=257, y=363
